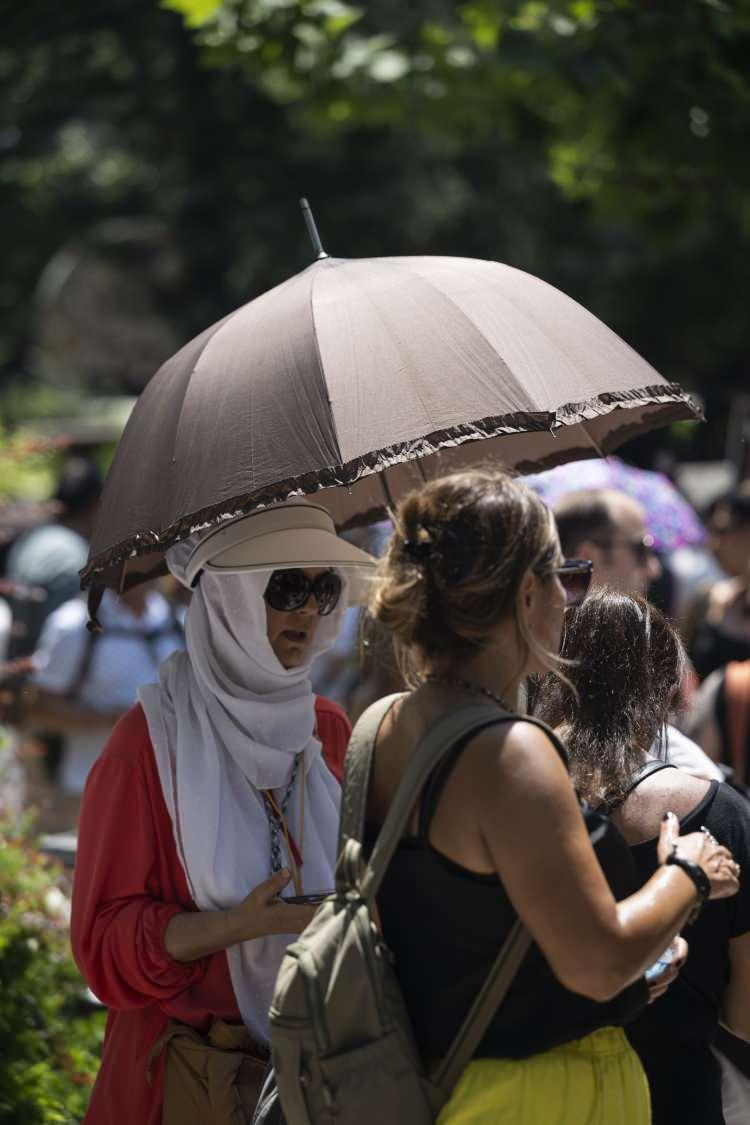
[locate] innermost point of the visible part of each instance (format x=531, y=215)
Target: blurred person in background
x=6, y=622
x=42, y=566
x=50, y=556
x=625, y=667
x=719, y=720
x=609, y=528
x=84, y=681
x=719, y=629
x=12, y=787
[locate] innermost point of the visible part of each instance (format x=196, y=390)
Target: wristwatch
x=699, y=878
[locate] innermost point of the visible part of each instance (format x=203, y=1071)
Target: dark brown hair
x=626, y=664
x=460, y=547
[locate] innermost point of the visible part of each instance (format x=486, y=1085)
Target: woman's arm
x=736, y=1006
x=532, y=826
x=196, y=934
x=120, y=911
x=133, y=939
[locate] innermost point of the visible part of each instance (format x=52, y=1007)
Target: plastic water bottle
x=661, y=964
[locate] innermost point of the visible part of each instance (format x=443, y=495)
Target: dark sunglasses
x=290, y=590
x=575, y=579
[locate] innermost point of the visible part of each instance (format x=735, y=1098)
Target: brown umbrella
x=354, y=381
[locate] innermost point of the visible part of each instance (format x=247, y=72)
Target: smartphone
x=313, y=899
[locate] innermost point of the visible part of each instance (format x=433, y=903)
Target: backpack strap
x=435, y=744
x=149, y=638
x=488, y=1000
x=90, y=641
x=438, y=741
x=357, y=767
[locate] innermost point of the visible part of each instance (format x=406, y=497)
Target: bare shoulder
x=671, y=790
x=519, y=753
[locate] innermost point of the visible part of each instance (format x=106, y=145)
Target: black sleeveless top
x=445, y=925
x=673, y=1035
x=713, y=647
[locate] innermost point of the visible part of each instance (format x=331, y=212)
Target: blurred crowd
x=64, y=686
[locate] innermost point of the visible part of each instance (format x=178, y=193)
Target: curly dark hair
x=626, y=664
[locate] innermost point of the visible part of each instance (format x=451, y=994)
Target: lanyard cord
x=276, y=811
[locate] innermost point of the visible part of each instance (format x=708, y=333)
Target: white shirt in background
x=688, y=756
x=122, y=660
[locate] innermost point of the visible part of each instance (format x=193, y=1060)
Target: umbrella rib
x=590, y=437
x=555, y=345
x=321, y=370
x=537, y=408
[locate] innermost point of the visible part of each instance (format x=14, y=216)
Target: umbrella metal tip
x=312, y=228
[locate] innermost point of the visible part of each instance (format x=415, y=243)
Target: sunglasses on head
x=575, y=578
x=290, y=590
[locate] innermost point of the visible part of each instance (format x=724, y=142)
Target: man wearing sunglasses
x=609, y=528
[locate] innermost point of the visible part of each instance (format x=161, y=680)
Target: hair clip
x=418, y=551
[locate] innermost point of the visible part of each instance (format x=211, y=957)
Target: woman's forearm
x=199, y=933
x=650, y=918
x=609, y=958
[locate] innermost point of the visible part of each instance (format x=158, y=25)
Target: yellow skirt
x=597, y=1080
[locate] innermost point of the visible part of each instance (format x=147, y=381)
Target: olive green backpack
x=342, y=1044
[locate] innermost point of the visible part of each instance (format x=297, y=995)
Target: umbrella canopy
x=354, y=381
x=669, y=517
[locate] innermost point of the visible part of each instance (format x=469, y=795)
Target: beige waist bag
x=211, y=1078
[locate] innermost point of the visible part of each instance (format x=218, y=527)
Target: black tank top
x=713, y=647
x=446, y=924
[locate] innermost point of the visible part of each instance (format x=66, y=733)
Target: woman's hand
x=700, y=847
x=200, y=933
x=263, y=913
x=657, y=986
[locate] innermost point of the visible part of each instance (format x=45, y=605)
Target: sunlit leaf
x=194, y=12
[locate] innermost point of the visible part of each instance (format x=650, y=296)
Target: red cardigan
x=129, y=882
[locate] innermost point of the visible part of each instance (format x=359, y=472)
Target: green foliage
x=49, y=1046
x=27, y=466
x=598, y=143
x=639, y=106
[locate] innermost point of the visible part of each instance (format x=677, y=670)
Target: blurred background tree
x=152, y=158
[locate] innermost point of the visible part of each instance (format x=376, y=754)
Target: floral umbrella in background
x=669, y=517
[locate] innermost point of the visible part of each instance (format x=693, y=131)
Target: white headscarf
x=226, y=720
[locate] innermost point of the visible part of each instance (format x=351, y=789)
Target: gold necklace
x=470, y=686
